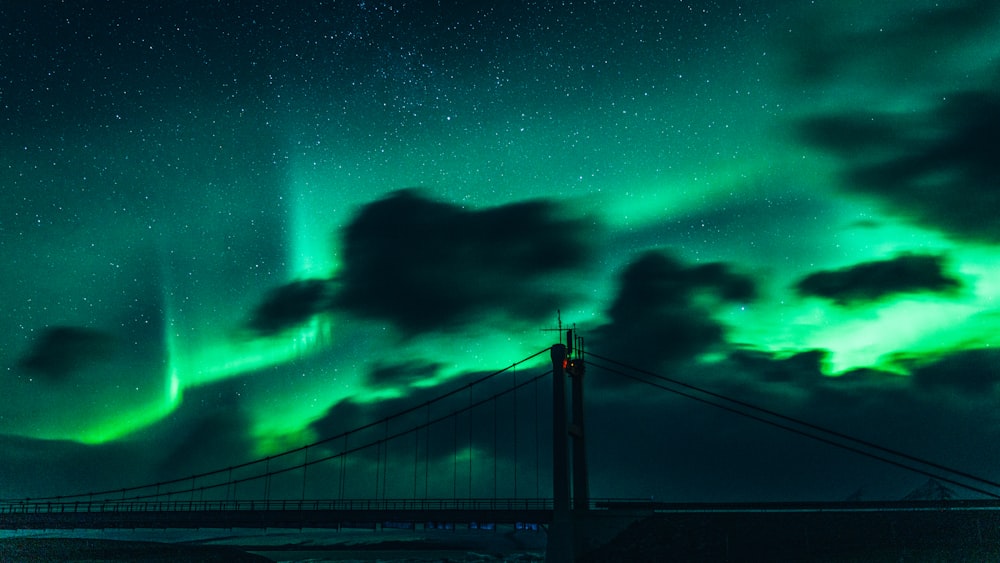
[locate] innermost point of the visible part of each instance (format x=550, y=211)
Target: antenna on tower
x=574, y=343
x=559, y=328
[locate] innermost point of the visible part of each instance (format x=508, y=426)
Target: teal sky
x=201, y=212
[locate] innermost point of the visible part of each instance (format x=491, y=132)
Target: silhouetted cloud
x=62, y=350
x=207, y=431
x=974, y=372
x=951, y=420
x=402, y=374
x=871, y=281
x=828, y=45
x=425, y=265
x=203, y=441
x=938, y=169
x=659, y=314
x=850, y=135
x=38, y=467
x=799, y=368
x=291, y=305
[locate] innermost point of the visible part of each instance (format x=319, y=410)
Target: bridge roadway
x=159, y=514
x=132, y=514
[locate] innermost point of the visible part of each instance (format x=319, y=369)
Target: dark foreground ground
x=313, y=545
x=45, y=550
x=914, y=537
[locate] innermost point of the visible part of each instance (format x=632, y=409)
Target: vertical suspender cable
x=454, y=457
x=378, y=466
x=305, y=471
x=538, y=457
x=427, y=452
x=267, y=480
x=468, y=418
x=416, y=460
x=515, y=430
x=385, y=466
x=494, y=446
x=343, y=468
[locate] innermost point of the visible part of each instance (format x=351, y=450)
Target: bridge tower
x=567, y=358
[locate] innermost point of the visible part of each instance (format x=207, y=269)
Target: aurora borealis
x=226, y=224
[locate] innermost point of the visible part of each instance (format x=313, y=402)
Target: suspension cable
x=785, y=426
x=806, y=424
x=452, y=415
x=514, y=373
x=322, y=441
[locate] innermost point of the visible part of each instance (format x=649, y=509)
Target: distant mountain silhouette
x=931, y=490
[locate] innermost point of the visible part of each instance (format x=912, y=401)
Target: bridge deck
x=369, y=513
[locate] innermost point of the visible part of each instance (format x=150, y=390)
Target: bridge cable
x=378, y=466
x=416, y=461
x=232, y=484
x=385, y=466
x=538, y=457
x=343, y=469
x=305, y=469
x=807, y=424
x=325, y=440
x=267, y=484
x=454, y=455
x=495, y=433
x=427, y=453
x=453, y=415
x=468, y=418
x=514, y=373
x=785, y=426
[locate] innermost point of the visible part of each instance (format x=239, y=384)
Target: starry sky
x=232, y=228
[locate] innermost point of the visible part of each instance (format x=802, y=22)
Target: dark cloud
x=706, y=453
x=872, y=281
x=42, y=468
x=973, y=372
x=490, y=431
x=902, y=44
x=425, y=265
x=939, y=170
x=203, y=442
x=61, y=351
x=207, y=431
x=661, y=315
x=852, y=135
x=402, y=374
x=800, y=368
x=291, y=305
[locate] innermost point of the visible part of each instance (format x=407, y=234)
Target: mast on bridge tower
x=572, y=364
x=567, y=358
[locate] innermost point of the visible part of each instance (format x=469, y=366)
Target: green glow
x=864, y=342
x=228, y=357
x=311, y=254
x=121, y=422
x=691, y=146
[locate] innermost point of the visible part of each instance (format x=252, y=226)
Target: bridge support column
x=560, y=541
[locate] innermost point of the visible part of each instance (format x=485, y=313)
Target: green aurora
x=165, y=171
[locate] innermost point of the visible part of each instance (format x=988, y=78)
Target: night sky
x=230, y=228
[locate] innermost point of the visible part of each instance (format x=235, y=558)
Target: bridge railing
x=99, y=506
x=465, y=504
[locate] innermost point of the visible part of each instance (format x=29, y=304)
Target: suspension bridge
x=507, y=448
